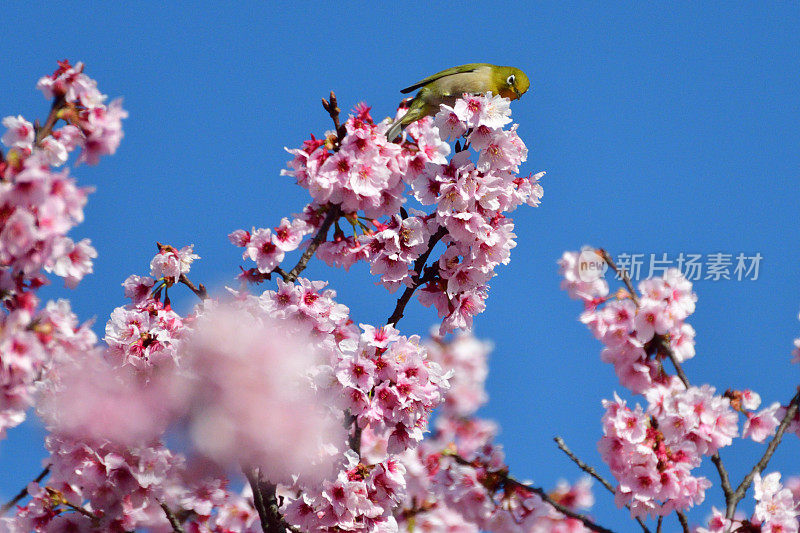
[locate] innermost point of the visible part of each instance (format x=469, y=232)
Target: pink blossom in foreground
x=249, y=400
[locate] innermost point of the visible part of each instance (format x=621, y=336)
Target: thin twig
x=59, y=498
x=622, y=273
x=334, y=212
x=508, y=480
x=583, y=466
x=173, y=520
x=658, y=524
x=332, y=107
x=592, y=472
x=24, y=492
x=740, y=491
x=418, y=278
x=667, y=349
x=558, y=507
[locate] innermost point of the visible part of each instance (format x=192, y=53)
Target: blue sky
x=662, y=130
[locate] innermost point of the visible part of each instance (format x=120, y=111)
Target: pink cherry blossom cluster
x=92, y=126
x=471, y=199
x=633, y=333
x=360, y=498
x=365, y=177
x=776, y=509
x=652, y=452
x=103, y=486
x=365, y=172
x=458, y=478
x=389, y=385
x=169, y=263
x=38, y=207
x=266, y=247
x=466, y=357
x=30, y=340
x=118, y=488
x=144, y=333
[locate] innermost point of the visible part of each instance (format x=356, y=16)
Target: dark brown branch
x=265, y=501
x=667, y=349
x=725, y=480
x=281, y=272
x=740, y=491
x=52, y=118
x=334, y=212
x=622, y=273
x=354, y=438
x=592, y=472
x=173, y=520
x=683, y=521
x=200, y=291
x=332, y=107
x=24, y=492
x=418, y=278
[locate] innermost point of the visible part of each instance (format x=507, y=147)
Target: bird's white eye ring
x=511, y=80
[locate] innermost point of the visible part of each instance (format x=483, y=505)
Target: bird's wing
x=470, y=67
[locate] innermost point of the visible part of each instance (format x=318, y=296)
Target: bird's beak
x=516, y=91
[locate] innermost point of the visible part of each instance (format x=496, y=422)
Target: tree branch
x=740, y=491
x=557, y=506
x=418, y=278
x=683, y=521
x=173, y=520
x=266, y=503
x=52, y=118
x=508, y=480
x=200, y=291
x=24, y=492
x=332, y=107
x=592, y=472
x=334, y=212
x=622, y=274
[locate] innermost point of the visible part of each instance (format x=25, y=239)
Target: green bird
x=446, y=86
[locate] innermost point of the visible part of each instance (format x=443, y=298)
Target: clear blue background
x=667, y=129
